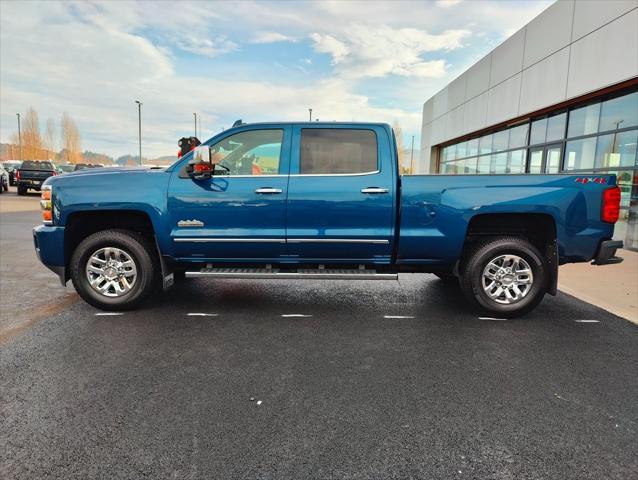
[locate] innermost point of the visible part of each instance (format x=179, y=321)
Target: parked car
x=4, y=180
x=32, y=173
x=67, y=168
x=11, y=166
x=321, y=201
x=84, y=166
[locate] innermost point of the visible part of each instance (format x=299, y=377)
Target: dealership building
x=559, y=95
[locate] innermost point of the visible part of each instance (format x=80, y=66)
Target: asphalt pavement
x=294, y=380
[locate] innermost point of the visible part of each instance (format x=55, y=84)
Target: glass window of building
x=556, y=127
x=616, y=150
x=583, y=120
x=580, y=154
x=470, y=166
x=461, y=150
x=485, y=144
x=536, y=160
x=472, y=147
x=518, y=136
x=516, y=161
x=621, y=112
x=538, y=132
x=499, y=163
x=500, y=140
x=552, y=160
x=483, y=164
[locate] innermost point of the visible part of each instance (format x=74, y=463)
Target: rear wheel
x=114, y=269
x=22, y=190
x=505, y=276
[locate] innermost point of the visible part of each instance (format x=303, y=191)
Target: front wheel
x=114, y=269
x=505, y=277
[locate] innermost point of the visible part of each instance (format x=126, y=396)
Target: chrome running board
x=301, y=273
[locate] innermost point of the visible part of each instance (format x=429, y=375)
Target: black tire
x=136, y=248
x=22, y=190
x=477, y=259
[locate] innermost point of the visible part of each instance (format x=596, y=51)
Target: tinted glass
x=330, y=151
x=616, y=150
x=254, y=152
x=470, y=165
x=583, y=121
x=499, y=163
x=461, y=150
x=536, y=161
x=485, y=144
x=518, y=136
x=483, y=165
x=621, y=112
x=516, y=161
x=580, y=154
x=500, y=140
x=556, y=127
x=472, y=147
x=538, y=132
x=552, y=160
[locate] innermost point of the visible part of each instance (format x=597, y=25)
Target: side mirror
x=200, y=166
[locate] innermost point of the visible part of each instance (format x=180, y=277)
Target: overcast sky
x=259, y=61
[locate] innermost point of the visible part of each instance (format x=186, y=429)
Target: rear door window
x=326, y=151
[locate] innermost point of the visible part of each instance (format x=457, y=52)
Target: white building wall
x=574, y=47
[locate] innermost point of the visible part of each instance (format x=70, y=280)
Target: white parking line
x=587, y=321
x=296, y=315
x=398, y=316
x=108, y=314
x=493, y=319
x=197, y=314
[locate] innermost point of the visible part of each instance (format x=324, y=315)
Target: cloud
x=93, y=59
x=272, y=37
x=366, y=51
x=203, y=45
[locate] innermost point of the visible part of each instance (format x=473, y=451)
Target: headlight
x=45, y=204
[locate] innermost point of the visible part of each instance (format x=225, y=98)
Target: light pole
x=19, y=136
x=310, y=112
x=195, y=117
x=139, y=126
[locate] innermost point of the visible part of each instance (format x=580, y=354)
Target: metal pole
x=412, y=155
x=195, y=117
x=19, y=136
x=310, y=111
x=199, y=124
x=139, y=126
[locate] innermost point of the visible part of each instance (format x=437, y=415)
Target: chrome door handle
x=268, y=190
x=374, y=190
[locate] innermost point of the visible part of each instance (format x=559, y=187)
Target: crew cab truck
x=32, y=174
x=320, y=201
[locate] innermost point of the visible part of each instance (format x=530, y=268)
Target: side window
x=338, y=151
x=254, y=152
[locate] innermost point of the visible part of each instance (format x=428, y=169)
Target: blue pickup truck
x=320, y=201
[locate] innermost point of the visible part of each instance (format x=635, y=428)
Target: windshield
x=37, y=165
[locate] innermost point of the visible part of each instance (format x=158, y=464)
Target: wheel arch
x=81, y=224
x=538, y=228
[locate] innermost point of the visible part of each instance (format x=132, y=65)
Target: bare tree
x=401, y=150
x=70, y=139
x=49, y=137
x=31, y=137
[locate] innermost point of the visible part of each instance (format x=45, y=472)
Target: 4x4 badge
x=190, y=223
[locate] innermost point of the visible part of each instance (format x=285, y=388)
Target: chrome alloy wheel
x=507, y=279
x=111, y=272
